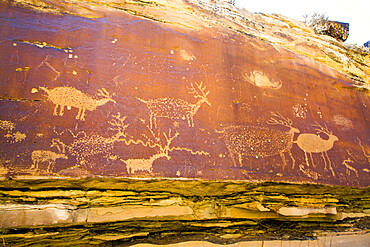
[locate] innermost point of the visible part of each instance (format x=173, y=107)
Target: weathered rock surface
x=181, y=90
x=125, y=212
x=203, y=91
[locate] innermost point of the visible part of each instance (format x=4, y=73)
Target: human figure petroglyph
x=260, y=142
x=41, y=156
x=313, y=143
x=70, y=97
x=177, y=108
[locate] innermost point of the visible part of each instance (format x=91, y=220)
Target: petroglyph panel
x=149, y=99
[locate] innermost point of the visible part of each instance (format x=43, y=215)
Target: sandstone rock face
x=136, y=90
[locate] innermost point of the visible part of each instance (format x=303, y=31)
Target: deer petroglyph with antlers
x=146, y=165
x=71, y=97
x=260, y=142
x=313, y=143
x=177, y=108
x=85, y=146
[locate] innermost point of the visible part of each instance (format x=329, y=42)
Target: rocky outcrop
x=335, y=29
x=127, y=212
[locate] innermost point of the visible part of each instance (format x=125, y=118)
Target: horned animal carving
x=134, y=165
x=177, y=108
x=313, y=143
x=85, y=146
x=40, y=156
x=260, y=142
x=71, y=97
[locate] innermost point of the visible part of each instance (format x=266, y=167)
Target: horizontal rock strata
x=120, y=211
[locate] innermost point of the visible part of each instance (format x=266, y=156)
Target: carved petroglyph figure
x=259, y=79
x=177, y=108
x=300, y=111
x=70, y=97
x=309, y=173
x=343, y=122
x=41, y=156
x=16, y=137
x=88, y=145
x=7, y=125
x=366, y=154
x=260, y=142
x=45, y=62
x=349, y=168
x=13, y=137
x=146, y=165
x=313, y=143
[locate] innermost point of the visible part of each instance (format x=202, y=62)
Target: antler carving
x=322, y=129
x=278, y=119
x=104, y=93
x=198, y=91
x=118, y=124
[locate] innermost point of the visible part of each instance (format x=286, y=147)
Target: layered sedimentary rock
x=180, y=90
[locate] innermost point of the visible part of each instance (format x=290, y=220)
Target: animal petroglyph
x=309, y=173
x=7, y=125
x=259, y=79
x=177, y=108
x=70, y=97
x=16, y=137
x=146, y=165
x=349, y=168
x=41, y=156
x=313, y=143
x=260, y=142
x=88, y=145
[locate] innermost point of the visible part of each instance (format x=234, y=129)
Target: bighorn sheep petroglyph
x=40, y=156
x=313, y=143
x=71, y=97
x=177, y=108
x=260, y=142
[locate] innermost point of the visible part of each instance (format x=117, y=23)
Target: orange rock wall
x=126, y=96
